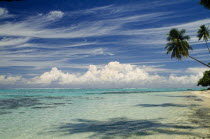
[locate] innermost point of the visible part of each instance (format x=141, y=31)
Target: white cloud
x=54, y=75
x=113, y=9
x=8, y=80
x=117, y=75
x=112, y=75
x=156, y=37
x=4, y=13
x=13, y=41
x=54, y=15
x=32, y=26
x=37, y=26
x=196, y=70
x=45, y=59
x=199, y=51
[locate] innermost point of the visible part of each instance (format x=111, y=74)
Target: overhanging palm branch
x=178, y=45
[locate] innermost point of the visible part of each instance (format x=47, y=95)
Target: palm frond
x=203, y=33
x=177, y=44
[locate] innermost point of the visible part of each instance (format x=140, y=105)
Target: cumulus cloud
x=112, y=75
x=196, y=70
x=116, y=75
x=5, y=80
x=54, y=75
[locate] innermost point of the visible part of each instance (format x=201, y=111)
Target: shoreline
x=202, y=112
x=204, y=95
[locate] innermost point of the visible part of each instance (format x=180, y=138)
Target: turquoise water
x=98, y=113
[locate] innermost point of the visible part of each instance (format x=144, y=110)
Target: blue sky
x=71, y=35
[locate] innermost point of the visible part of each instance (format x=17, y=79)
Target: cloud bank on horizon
x=79, y=39
x=112, y=75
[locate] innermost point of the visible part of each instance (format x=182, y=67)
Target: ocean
x=101, y=114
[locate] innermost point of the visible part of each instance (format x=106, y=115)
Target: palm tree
x=179, y=46
x=205, y=3
x=203, y=33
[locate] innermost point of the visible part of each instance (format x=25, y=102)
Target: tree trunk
x=199, y=61
x=207, y=46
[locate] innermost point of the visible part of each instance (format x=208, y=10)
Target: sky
x=98, y=43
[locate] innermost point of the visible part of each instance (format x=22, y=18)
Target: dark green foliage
x=205, y=81
x=203, y=33
x=205, y=3
x=177, y=44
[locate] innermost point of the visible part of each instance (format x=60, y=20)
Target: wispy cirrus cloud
x=36, y=27
x=13, y=41
x=44, y=59
x=4, y=13
x=19, y=35
x=157, y=36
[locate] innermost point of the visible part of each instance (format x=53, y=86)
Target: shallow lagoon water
x=100, y=113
